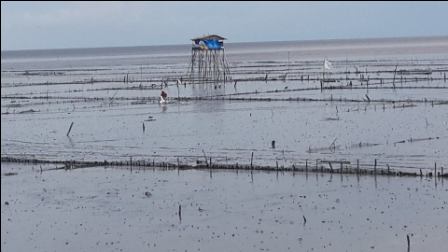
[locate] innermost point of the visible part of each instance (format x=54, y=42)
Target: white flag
x=327, y=64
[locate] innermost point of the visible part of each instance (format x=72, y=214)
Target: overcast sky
x=42, y=25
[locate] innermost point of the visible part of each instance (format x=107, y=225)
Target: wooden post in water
x=251, y=159
x=205, y=157
x=409, y=243
x=395, y=72
x=435, y=169
x=357, y=165
x=68, y=132
x=374, y=167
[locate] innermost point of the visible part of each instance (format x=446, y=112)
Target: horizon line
x=242, y=42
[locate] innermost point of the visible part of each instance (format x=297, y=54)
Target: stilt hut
x=208, y=61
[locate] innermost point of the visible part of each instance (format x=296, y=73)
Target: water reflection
x=163, y=107
x=202, y=89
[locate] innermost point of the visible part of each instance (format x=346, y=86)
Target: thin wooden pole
x=68, y=132
x=251, y=159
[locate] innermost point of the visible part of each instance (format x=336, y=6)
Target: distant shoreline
x=321, y=41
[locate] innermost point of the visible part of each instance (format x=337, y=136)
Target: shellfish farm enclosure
x=336, y=145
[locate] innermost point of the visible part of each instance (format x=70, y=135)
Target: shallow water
x=109, y=209
x=37, y=107
x=399, y=120
x=231, y=131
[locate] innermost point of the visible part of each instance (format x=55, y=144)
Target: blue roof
x=213, y=44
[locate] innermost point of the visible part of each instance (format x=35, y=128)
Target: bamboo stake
x=68, y=132
x=251, y=158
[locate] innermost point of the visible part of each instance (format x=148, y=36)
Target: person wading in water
x=163, y=96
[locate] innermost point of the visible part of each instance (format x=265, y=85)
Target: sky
x=46, y=25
